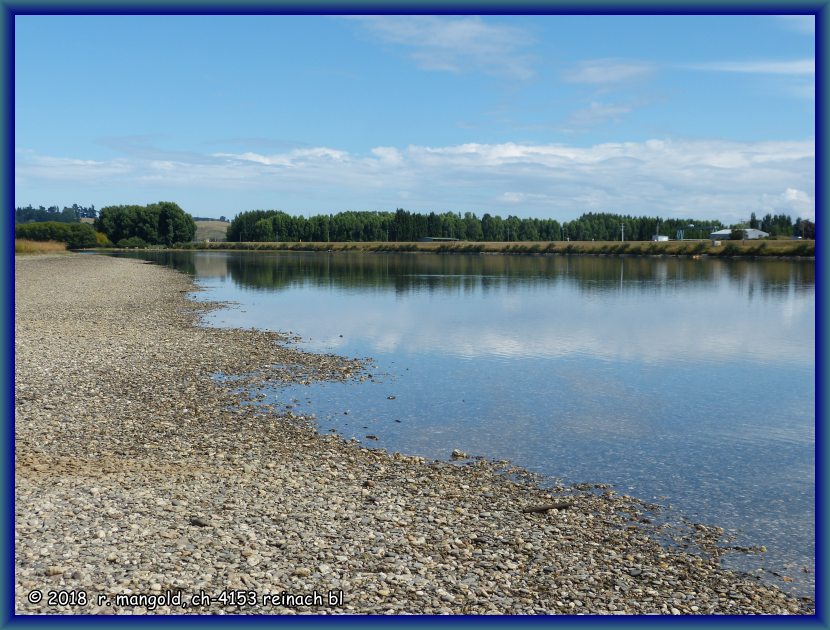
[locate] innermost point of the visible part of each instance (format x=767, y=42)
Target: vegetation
x=222, y=219
x=101, y=240
x=630, y=248
x=804, y=229
x=132, y=242
x=162, y=223
x=27, y=246
x=75, y=235
x=69, y=214
x=274, y=225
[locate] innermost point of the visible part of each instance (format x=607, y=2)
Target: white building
x=659, y=237
x=726, y=234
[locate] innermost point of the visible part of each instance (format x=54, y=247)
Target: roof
x=749, y=231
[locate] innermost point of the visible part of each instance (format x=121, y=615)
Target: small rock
x=457, y=454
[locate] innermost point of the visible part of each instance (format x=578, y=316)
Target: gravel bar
x=144, y=484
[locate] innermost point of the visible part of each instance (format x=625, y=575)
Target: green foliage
x=402, y=225
x=777, y=225
x=805, y=228
x=75, y=235
x=162, y=223
x=133, y=241
x=69, y=214
x=222, y=219
x=737, y=234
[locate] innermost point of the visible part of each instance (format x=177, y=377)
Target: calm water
x=687, y=383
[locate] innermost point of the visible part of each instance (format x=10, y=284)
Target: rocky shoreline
x=145, y=484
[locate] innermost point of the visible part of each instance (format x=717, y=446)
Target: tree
x=162, y=223
x=805, y=228
x=753, y=221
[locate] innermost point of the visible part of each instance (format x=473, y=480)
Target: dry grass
x=26, y=246
x=213, y=230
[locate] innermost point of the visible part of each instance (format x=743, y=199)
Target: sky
x=705, y=117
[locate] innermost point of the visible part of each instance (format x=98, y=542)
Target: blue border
x=821, y=379
x=10, y=8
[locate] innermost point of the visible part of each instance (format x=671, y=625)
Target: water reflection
x=418, y=272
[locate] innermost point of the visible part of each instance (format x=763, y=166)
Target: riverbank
x=727, y=249
x=138, y=472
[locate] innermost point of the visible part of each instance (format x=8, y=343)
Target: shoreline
x=757, y=250
x=137, y=472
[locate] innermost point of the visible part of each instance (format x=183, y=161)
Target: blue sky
x=548, y=116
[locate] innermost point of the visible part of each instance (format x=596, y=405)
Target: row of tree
x=402, y=225
x=162, y=223
x=782, y=225
x=69, y=214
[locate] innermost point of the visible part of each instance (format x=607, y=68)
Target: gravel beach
x=144, y=484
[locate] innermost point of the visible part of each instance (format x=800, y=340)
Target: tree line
x=783, y=225
x=402, y=225
x=69, y=214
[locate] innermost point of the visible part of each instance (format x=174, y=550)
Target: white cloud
x=604, y=71
x=389, y=155
x=799, y=202
x=455, y=44
x=521, y=197
x=697, y=178
x=798, y=67
x=292, y=158
x=31, y=164
x=595, y=114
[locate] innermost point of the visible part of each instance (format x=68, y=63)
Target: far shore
x=694, y=249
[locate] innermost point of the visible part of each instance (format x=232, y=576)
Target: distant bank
x=801, y=248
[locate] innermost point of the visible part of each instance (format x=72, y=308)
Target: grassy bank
x=26, y=246
x=632, y=248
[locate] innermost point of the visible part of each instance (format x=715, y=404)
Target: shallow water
x=690, y=383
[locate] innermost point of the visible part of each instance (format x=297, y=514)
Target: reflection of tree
x=466, y=273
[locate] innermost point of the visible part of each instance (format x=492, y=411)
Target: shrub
x=133, y=241
x=75, y=235
x=102, y=240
